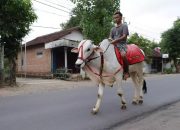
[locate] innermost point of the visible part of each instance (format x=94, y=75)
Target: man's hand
x=110, y=39
x=114, y=42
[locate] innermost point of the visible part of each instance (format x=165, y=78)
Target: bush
x=168, y=70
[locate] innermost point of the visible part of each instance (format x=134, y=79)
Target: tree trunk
x=176, y=65
x=12, y=71
x=177, y=68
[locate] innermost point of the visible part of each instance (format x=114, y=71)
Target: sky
x=149, y=18
x=51, y=13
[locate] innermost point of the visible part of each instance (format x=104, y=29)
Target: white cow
x=101, y=65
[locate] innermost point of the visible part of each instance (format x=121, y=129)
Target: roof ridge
x=51, y=36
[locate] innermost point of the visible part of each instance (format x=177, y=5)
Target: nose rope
x=100, y=73
x=81, y=57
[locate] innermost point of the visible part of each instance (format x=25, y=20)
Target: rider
x=119, y=34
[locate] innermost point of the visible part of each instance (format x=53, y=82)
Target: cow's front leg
x=99, y=99
x=121, y=95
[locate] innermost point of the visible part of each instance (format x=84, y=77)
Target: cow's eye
x=88, y=49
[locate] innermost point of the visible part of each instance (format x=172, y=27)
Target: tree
x=170, y=42
x=74, y=20
x=94, y=17
x=16, y=16
x=146, y=45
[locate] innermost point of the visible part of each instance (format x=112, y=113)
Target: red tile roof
x=52, y=36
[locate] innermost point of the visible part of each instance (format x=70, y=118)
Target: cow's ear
x=98, y=49
x=74, y=50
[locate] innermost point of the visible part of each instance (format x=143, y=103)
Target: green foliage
x=170, y=42
x=74, y=20
x=94, y=17
x=146, y=45
x=168, y=70
x=16, y=16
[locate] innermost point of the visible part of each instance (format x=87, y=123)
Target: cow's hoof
x=134, y=103
x=111, y=86
x=140, y=101
x=123, y=107
x=94, y=112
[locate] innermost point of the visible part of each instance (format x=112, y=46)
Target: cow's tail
x=144, y=87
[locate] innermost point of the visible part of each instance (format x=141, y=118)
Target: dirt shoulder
x=35, y=85
x=167, y=118
x=31, y=85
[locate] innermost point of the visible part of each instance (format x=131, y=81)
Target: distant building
x=156, y=65
x=44, y=54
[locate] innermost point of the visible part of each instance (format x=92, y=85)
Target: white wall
x=75, y=36
x=146, y=68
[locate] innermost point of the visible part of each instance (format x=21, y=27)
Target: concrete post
x=25, y=61
x=1, y=62
x=65, y=57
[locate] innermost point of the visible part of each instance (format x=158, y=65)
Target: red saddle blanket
x=134, y=54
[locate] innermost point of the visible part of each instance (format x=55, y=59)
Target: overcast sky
x=148, y=18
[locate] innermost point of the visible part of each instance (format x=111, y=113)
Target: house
x=45, y=54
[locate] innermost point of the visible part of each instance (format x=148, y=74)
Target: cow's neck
x=95, y=63
x=94, y=58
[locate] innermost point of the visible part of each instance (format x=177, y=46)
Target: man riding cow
x=119, y=34
x=105, y=66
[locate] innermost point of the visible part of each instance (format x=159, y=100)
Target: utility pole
x=162, y=66
x=21, y=60
x=1, y=62
x=25, y=60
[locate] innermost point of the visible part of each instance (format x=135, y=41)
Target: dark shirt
x=117, y=32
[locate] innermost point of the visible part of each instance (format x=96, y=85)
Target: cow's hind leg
x=99, y=99
x=134, y=79
x=140, y=87
x=141, y=93
x=121, y=95
x=138, y=83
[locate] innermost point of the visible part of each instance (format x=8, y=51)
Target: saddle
x=134, y=54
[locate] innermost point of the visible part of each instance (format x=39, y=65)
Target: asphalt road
x=70, y=109
x=166, y=118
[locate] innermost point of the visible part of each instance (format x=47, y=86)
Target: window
x=39, y=53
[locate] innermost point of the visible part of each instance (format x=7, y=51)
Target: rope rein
x=100, y=74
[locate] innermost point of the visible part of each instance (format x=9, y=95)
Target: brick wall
x=38, y=60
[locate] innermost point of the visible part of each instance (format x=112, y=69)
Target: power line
x=51, y=6
x=67, y=4
x=51, y=13
x=147, y=26
x=58, y=5
x=146, y=30
x=146, y=33
x=38, y=26
x=147, y=36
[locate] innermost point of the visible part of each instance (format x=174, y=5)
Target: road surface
x=70, y=109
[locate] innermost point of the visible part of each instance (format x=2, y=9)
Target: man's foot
x=125, y=76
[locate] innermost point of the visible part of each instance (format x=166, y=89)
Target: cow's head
x=85, y=50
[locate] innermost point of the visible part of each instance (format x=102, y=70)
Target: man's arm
x=123, y=37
